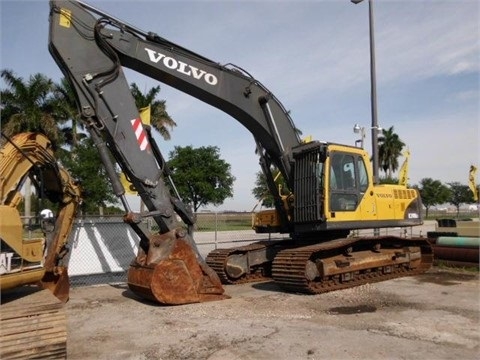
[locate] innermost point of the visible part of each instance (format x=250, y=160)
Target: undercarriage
x=327, y=266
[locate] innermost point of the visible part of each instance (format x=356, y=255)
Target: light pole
x=373, y=96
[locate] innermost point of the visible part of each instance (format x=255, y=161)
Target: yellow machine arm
x=31, y=155
x=472, y=183
x=403, y=174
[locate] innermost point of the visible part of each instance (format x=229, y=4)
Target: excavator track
x=345, y=263
x=217, y=260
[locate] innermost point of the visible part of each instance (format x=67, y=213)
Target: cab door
x=349, y=187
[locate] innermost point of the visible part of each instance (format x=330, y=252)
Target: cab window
x=362, y=175
x=348, y=181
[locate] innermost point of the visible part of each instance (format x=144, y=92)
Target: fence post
x=216, y=228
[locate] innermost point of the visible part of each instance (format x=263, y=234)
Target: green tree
x=159, y=117
x=459, y=194
x=96, y=190
x=261, y=191
x=433, y=192
x=66, y=110
x=113, y=210
x=389, y=150
x=28, y=106
x=85, y=165
x=388, y=180
x=200, y=175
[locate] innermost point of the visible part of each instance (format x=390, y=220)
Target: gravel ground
x=431, y=316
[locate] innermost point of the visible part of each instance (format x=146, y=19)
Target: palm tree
x=28, y=106
x=66, y=110
x=159, y=118
x=390, y=147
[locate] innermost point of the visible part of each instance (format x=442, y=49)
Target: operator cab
x=336, y=176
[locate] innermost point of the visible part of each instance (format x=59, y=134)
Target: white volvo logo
x=181, y=67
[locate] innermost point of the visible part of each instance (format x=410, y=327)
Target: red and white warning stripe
x=140, y=133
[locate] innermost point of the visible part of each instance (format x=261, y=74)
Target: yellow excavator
x=33, y=322
x=332, y=185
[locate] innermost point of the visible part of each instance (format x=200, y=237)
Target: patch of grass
x=457, y=266
x=224, y=222
x=220, y=222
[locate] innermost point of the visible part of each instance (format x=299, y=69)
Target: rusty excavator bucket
x=172, y=274
x=57, y=282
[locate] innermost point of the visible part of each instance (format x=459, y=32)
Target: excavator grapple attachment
x=172, y=274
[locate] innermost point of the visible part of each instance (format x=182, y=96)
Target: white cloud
x=464, y=67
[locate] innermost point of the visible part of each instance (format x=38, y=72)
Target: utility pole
x=373, y=95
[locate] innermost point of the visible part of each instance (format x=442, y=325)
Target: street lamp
x=357, y=129
x=373, y=95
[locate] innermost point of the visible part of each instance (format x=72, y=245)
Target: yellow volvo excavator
x=332, y=185
x=33, y=324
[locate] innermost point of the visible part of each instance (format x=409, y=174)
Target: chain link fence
x=102, y=248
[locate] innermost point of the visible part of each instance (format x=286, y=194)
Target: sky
x=315, y=57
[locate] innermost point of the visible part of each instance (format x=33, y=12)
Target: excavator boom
x=79, y=44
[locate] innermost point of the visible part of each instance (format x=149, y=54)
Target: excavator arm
x=91, y=48
x=31, y=155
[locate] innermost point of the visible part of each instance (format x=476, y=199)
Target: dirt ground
x=432, y=316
